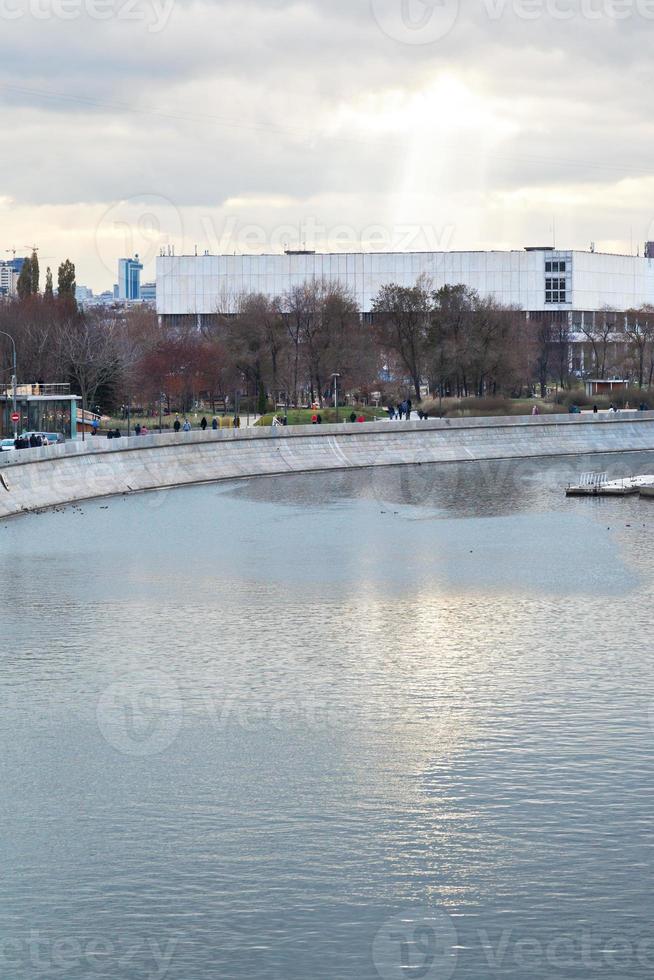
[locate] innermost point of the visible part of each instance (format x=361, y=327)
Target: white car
x=7, y=446
x=47, y=438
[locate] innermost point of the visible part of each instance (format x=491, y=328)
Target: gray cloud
x=330, y=106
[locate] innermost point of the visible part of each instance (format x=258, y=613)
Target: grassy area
x=304, y=416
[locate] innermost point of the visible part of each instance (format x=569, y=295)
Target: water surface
x=390, y=723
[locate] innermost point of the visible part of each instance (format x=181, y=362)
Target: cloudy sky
x=128, y=125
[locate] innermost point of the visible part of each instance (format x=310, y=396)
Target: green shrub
x=577, y=396
x=632, y=396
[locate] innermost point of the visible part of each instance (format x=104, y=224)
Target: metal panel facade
x=209, y=284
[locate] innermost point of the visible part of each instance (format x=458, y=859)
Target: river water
x=371, y=724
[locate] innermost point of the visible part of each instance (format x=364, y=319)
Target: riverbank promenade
x=37, y=478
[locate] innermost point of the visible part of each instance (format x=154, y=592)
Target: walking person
x=177, y=426
x=187, y=426
x=203, y=424
x=214, y=424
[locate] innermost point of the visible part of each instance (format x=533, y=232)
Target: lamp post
x=13, y=378
x=336, y=376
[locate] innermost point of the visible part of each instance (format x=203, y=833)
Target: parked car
x=7, y=446
x=52, y=437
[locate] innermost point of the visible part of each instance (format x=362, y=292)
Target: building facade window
x=555, y=290
x=558, y=280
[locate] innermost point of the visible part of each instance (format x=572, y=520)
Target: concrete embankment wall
x=37, y=478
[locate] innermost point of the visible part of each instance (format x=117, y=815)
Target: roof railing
x=36, y=390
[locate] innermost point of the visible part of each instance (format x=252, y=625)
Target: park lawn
x=304, y=416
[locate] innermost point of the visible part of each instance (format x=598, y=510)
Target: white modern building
x=534, y=280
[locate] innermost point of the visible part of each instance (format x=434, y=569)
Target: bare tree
x=561, y=344
x=297, y=308
x=90, y=355
x=449, y=336
x=639, y=335
x=403, y=316
x=600, y=334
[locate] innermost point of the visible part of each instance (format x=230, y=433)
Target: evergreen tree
x=48, y=293
x=24, y=285
x=66, y=280
x=34, y=272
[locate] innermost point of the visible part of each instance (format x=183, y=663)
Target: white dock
x=598, y=485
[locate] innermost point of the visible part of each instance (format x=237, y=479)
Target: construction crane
x=13, y=252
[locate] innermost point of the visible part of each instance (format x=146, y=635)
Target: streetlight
x=13, y=379
x=336, y=376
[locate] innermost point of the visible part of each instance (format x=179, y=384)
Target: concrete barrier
x=37, y=478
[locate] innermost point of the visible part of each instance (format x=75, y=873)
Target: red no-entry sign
x=15, y=417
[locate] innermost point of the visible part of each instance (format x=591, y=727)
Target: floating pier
x=598, y=485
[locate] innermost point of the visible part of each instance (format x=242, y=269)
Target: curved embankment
x=37, y=478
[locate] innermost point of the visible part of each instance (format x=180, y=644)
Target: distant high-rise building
x=149, y=292
x=9, y=277
x=129, y=278
x=83, y=294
